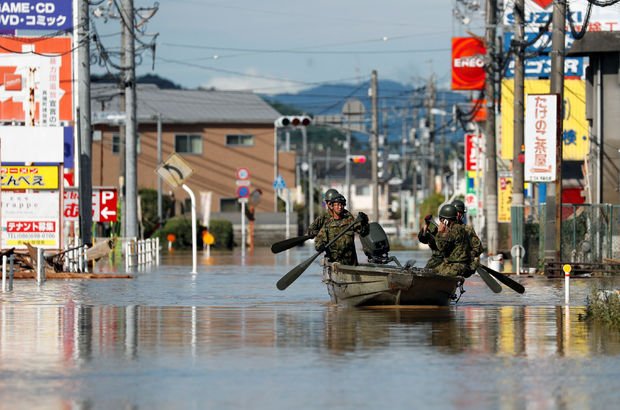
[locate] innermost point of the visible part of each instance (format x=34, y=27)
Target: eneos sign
x=468, y=63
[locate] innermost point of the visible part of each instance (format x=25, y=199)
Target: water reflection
x=71, y=334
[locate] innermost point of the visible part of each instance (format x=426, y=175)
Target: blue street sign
x=243, y=192
x=279, y=183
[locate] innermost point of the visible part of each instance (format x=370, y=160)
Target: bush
x=604, y=307
x=430, y=206
x=181, y=227
x=223, y=233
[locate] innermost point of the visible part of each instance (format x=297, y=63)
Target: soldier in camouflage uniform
x=475, y=243
x=427, y=236
x=343, y=250
x=453, y=243
x=320, y=220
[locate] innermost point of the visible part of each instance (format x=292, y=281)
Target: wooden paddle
x=286, y=280
x=512, y=284
x=490, y=282
x=289, y=243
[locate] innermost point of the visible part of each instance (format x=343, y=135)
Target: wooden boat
x=381, y=283
x=378, y=284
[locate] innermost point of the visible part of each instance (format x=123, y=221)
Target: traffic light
x=357, y=159
x=293, y=121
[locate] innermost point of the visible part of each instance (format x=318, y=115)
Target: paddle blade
x=286, y=280
x=489, y=281
x=289, y=243
x=512, y=284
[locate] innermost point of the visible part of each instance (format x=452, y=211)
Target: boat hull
x=373, y=284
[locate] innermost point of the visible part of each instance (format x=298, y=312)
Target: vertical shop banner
x=35, y=80
x=541, y=128
x=504, y=199
x=32, y=217
x=36, y=15
x=468, y=63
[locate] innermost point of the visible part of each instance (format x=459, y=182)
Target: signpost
x=280, y=186
x=243, y=193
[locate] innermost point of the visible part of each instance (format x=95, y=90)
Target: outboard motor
x=376, y=245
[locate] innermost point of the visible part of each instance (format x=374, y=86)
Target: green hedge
x=181, y=227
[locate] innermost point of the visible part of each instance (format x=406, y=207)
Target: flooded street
x=226, y=338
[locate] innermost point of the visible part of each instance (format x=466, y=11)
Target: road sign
x=243, y=182
x=104, y=204
x=279, y=183
x=243, y=192
x=243, y=173
x=175, y=170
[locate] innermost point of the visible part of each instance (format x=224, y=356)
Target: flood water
x=226, y=338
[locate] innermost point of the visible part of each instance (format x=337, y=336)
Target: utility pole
x=122, y=106
x=86, y=138
x=131, y=160
x=374, y=139
x=430, y=164
x=553, y=231
x=491, y=150
x=517, y=214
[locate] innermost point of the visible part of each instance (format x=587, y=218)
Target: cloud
x=254, y=81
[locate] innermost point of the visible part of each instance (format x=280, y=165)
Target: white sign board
x=32, y=217
x=31, y=144
x=538, y=12
x=541, y=128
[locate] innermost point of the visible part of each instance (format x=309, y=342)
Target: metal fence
x=590, y=233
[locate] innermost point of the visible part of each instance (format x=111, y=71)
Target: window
x=240, y=140
x=116, y=143
x=229, y=205
x=188, y=143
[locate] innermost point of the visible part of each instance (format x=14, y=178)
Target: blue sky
x=276, y=46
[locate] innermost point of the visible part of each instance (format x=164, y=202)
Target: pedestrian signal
x=293, y=121
x=357, y=159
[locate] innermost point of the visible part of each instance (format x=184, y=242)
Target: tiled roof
x=184, y=106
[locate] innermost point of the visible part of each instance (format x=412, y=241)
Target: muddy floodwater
x=226, y=338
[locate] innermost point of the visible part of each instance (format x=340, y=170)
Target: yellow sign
x=30, y=177
x=575, y=136
x=566, y=268
x=504, y=199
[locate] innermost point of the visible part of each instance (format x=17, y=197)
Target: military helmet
x=448, y=212
x=331, y=194
x=334, y=196
x=459, y=205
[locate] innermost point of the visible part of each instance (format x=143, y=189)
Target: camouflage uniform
x=315, y=227
x=428, y=238
x=476, y=248
x=456, y=251
x=343, y=250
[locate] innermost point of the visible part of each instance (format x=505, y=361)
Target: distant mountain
x=397, y=103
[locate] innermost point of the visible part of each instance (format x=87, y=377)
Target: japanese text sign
x=541, y=128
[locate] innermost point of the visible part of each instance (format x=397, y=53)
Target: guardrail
x=141, y=252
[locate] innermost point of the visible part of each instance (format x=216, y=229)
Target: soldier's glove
x=362, y=218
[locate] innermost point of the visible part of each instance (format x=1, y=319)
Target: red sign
x=472, y=151
x=104, y=207
x=468, y=63
x=543, y=3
